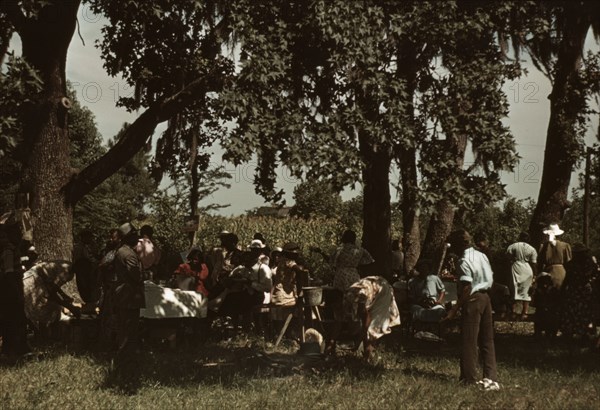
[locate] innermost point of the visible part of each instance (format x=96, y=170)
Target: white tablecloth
x=167, y=303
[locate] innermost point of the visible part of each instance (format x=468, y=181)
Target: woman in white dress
x=524, y=264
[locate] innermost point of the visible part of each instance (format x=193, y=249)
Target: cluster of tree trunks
x=54, y=188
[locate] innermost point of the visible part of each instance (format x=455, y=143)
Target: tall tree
x=17, y=82
x=556, y=46
x=46, y=29
x=352, y=86
x=119, y=198
x=329, y=106
x=418, y=43
x=316, y=199
x=469, y=105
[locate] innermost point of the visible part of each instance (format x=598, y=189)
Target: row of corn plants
x=322, y=233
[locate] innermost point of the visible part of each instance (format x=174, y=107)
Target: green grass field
x=247, y=373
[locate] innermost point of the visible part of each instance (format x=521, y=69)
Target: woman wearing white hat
x=553, y=255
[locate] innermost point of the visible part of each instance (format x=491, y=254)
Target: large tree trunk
x=411, y=239
x=46, y=139
x=562, y=149
x=407, y=158
x=440, y=224
x=376, y=204
x=53, y=186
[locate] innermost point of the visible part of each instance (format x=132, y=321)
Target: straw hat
x=256, y=244
x=553, y=229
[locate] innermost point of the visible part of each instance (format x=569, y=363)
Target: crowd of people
x=560, y=281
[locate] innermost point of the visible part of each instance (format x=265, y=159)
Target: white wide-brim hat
x=256, y=244
x=554, y=230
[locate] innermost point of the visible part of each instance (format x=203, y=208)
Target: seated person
x=247, y=284
x=426, y=293
x=193, y=274
x=221, y=261
x=288, y=277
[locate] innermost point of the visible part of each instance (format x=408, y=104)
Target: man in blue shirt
x=477, y=326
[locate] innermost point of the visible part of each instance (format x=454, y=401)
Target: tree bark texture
x=440, y=224
x=438, y=230
x=53, y=186
x=376, y=206
x=407, y=159
x=411, y=239
x=562, y=145
x=46, y=158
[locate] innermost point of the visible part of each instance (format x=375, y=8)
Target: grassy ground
x=247, y=373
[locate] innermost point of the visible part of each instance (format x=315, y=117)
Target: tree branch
x=138, y=133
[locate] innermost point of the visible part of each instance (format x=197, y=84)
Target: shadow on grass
x=239, y=366
x=558, y=354
x=428, y=374
x=514, y=350
x=237, y=362
x=243, y=360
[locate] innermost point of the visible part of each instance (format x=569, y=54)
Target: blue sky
x=528, y=120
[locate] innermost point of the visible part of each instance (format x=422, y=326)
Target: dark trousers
x=13, y=323
x=477, y=330
x=126, y=362
x=108, y=318
x=128, y=330
x=126, y=370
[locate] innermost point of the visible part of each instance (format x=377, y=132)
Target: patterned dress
x=378, y=296
x=346, y=260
